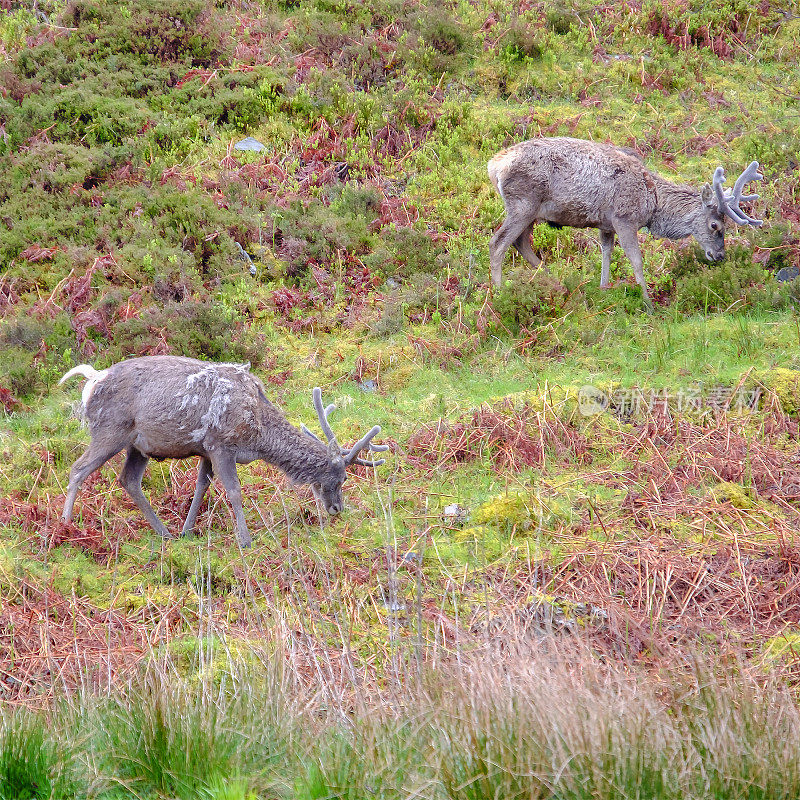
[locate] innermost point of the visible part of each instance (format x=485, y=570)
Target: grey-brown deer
x=583, y=184
x=174, y=407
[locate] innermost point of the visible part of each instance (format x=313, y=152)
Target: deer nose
x=334, y=509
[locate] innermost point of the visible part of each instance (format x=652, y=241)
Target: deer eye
x=714, y=226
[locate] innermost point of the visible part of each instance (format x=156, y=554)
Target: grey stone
x=249, y=143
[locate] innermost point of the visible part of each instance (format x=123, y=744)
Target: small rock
x=391, y=283
x=249, y=143
x=411, y=557
x=787, y=274
x=368, y=385
x=455, y=514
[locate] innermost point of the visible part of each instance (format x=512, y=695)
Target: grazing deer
x=585, y=184
x=173, y=407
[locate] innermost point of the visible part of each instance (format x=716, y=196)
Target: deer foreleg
x=95, y=456
x=204, y=476
x=225, y=469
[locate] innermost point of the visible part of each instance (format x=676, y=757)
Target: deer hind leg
x=95, y=456
x=517, y=221
x=131, y=480
x=204, y=477
x=630, y=244
x=225, y=468
x=606, y=249
x=522, y=244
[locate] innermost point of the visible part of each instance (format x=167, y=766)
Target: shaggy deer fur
x=173, y=407
x=584, y=184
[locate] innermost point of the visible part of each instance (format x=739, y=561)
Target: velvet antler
x=349, y=456
x=728, y=200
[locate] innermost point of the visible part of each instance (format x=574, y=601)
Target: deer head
x=329, y=490
x=719, y=203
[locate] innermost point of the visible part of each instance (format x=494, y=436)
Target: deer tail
x=92, y=375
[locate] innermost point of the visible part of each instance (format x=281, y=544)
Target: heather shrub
x=196, y=329
x=704, y=286
x=405, y=252
x=528, y=297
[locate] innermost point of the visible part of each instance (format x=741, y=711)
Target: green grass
x=121, y=205
x=34, y=764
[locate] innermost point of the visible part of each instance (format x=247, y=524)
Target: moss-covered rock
x=211, y=658
x=785, y=385
x=522, y=512
x=782, y=648
x=485, y=542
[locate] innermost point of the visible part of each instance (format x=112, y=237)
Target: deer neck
x=676, y=211
x=302, y=458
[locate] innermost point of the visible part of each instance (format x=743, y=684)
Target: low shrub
x=528, y=297
x=404, y=252
x=704, y=286
x=196, y=329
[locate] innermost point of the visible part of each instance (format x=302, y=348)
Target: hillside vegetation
x=565, y=471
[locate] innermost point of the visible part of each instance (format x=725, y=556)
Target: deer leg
x=606, y=248
x=630, y=244
x=225, y=469
x=95, y=456
x=506, y=235
x=131, y=481
x=204, y=476
x=522, y=244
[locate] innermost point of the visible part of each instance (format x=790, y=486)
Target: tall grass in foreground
x=543, y=731
x=168, y=737
x=33, y=764
x=529, y=726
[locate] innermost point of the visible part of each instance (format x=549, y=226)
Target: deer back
x=575, y=182
x=173, y=407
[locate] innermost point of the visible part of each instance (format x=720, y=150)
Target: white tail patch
x=93, y=377
x=497, y=168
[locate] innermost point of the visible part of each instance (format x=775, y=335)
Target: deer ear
x=707, y=196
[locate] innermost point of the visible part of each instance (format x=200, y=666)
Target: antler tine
x=719, y=179
x=373, y=448
x=364, y=442
x=365, y=463
x=751, y=173
x=322, y=413
x=311, y=433
x=728, y=201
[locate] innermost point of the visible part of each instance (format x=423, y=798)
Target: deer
x=583, y=184
x=166, y=407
